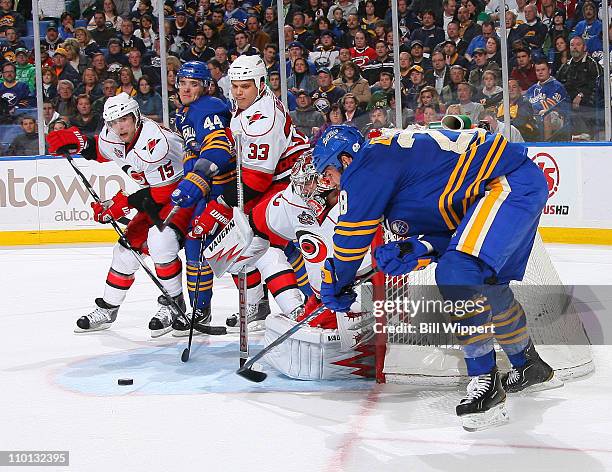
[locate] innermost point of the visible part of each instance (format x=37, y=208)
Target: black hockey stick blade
x=185, y=355
x=212, y=330
x=252, y=375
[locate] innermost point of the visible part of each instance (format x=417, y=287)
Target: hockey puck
x=125, y=381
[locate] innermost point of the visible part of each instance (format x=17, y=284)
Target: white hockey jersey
x=270, y=143
x=154, y=158
x=288, y=216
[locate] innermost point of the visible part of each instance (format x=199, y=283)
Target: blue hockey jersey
x=421, y=182
x=550, y=94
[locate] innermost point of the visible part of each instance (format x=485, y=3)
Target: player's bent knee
x=459, y=268
x=163, y=245
x=124, y=260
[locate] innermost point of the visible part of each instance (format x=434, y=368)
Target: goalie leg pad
x=120, y=275
x=315, y=354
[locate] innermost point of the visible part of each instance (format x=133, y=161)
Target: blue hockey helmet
x=194, y=70
x=336, y=140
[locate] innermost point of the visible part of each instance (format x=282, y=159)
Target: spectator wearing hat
x=17, y=94
x=452, y=32
x=468, y=107
x=25, y=71
x=325, y=53
x=296, y=49
x=275, y=85
x=102, y=31
x=449, y=92
x=243, y=47
x=327, y=93
x=300, y=33
x=468, y=28
x=452, y=56
x=25, y=144
x=300, y=78
x=257, y=37
x=52, y=40
x=128, y=40
x=439, y=75
x=524, y=72
x=382, y=63
x=481, y=64
x=305, y=117
x=63, y=69
x=351, y=82
x=198, y=51
x=115, y=57
x=533, y=31
x=11, y=18
x=429, y=34
x=416, y=51
x=415, y=85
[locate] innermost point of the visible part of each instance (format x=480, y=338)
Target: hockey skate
x=99, y=319
x=535, y=376
x=256, y=315
x=182, y=324
x=161, y=323
x=484, y=406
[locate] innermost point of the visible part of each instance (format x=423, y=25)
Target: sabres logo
x=256, y=117
x=399, y=227
x=151, y=143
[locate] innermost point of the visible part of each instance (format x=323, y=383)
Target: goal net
x=435, y=358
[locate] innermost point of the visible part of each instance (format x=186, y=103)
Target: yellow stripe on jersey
x=348, y=258
x=220, y=133
x=299, y=265
x=358, y=224
x=359, y=250
x=488, y=173
x=356, y=232
x=473, y=187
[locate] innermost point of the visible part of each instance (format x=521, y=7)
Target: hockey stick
x=196, y=297
x=124, y=241
x=257, y=376
x=168, y=218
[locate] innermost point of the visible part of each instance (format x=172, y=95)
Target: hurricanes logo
x=256, y=117
x=312, y=246
x=151, y=145
x=549, y=167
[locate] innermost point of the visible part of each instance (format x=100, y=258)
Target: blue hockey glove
x=190, y=190
x=334, y=297
x=402, y=257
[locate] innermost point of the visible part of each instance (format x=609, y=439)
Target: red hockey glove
x=112, y=209
x=65, y=141
x=326, y=319
x=214, y=215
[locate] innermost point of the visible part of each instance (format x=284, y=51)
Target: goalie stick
x=215, y=330
x=257, y=376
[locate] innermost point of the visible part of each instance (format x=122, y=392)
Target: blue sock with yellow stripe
x=511, y=333
x=295, y=258
x=192, y=252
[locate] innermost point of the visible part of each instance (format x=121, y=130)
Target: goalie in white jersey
x=270, y=145
x=153, y=157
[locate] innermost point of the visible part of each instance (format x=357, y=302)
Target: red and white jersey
x=154, y=158
x=270, y=143
x=288, y=216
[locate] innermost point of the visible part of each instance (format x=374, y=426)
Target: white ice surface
x=58, y=391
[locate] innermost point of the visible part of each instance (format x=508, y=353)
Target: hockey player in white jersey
x=152, y=156
x=270, y=145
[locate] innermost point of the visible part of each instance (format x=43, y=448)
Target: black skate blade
x=212, y=330
x=252, y=375
x=185, y=355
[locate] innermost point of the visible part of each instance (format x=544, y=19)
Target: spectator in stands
x=497, y=126
x=65, y=102
x=87, y=122
x=335, y=116
x=215, y=91
x=127, y=82
x=300, y=33
x=479, y=41
x=348, y=8
x=257, y=37
x=580, y=77
x=492, y=47
x=270, y=57
x=382, y=63
x=242, y=46
x=203, y=14
x=270, y=24
x=149, y=101
x=300, y=78
x=101, y=32
x=66, y=30
x=415, y=85
x=380, y=31
x=326, y=53
x=429, y=34
x=590, y=28
x=87, y=45
x=559, y=54
x=10, y=18
x=550, y=102
x=25, y=71
x=344, y=56
x=379, y=118
x=452, y=31
x=58, y=124
x=111, y=14
x=408, y=19
x=90, y=85
x=557, y=29
x=275, y=86
x=352, y=111
x=353, y=27
x=115, y=57
x=524, y=72
x=109, y=86
x=481, y=64
x=224, y=32
x=351, y=82
x=98, y=62
x=428, y=98
x=468, y=28
x=449, y=92
x=405, y=63
x=199, y=51
x=430, y=115
x=17, y=94
x=326, y=93
x=217, y=73
x=491, y=94
x=127, y=38
x=142, y=8
x=77, y=60
x=146, y=32
x=138, y=70
x=511, y=28
x=439, y=75
x=10, y=44
x=233, y=15
x=369, y=18
x=468, y=107
x=295, y=50
x=416, y=51
x=221, y=56
x=533, y=31
x=49, y=115
x=25, y=144
x=49, y=83
x=452, y=56
x=521, y=112
x=305, y=117
x=52, y=39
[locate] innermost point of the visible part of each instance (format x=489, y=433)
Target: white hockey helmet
x=248, y=68
x=119, y=106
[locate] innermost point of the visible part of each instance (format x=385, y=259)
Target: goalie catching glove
x=112, y=209
x=403, y=257
x=214, y=215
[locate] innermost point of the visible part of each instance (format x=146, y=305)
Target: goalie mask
x=309, y=185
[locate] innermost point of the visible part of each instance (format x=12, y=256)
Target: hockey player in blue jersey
x=208, y=166
x=470, y=201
